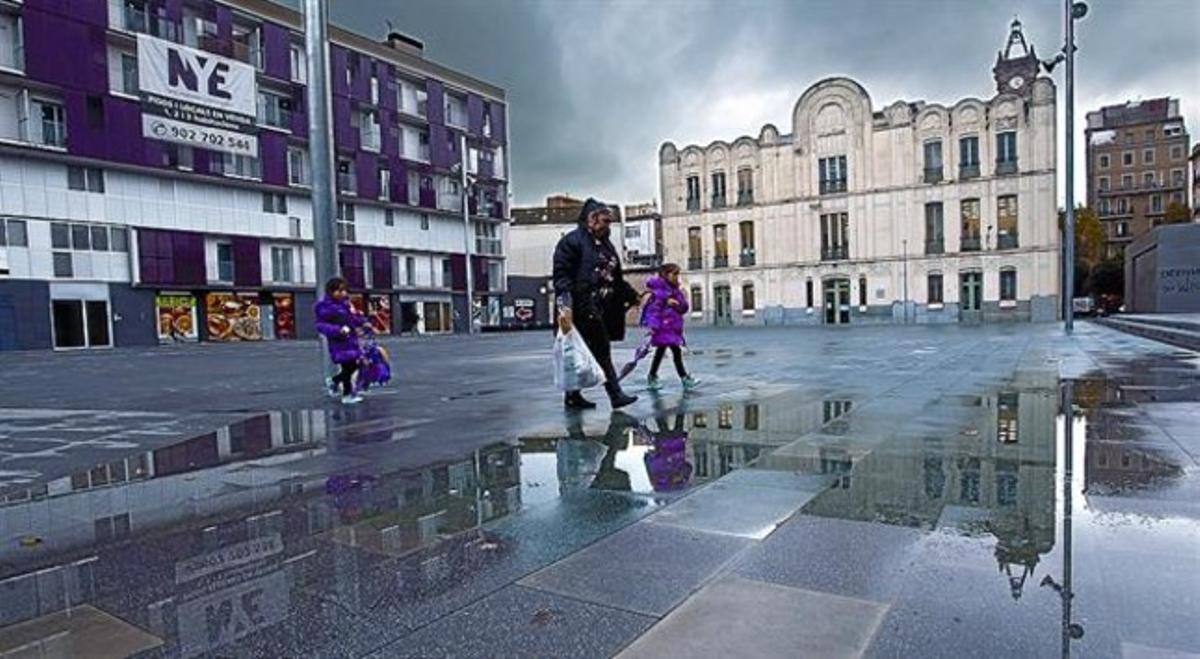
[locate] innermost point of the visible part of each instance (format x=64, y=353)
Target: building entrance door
x=970, y=305
x=724, y=305
x=80, y=324
x=837, y=301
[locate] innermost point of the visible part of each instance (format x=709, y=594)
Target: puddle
x=215, y=544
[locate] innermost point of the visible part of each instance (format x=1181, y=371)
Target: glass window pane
x=95, y=179
x=17, y=234
x=120, y=239
x=63, y=266
x=100, y=239
x=75, y=178
x=97, y=323
x=80, y=237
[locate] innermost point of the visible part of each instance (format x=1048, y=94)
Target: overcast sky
x=596, y=86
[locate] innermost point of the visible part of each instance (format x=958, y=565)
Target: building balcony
x=833, y=187
x=1114, y=213
x=695, y=263
x=933, y=175
x=970, y=244
x=693, y=205
x=968, y=171
x=935, y=246
x=489, y=246
x=1006, y=167
x=347, y=183
x=747, y=258
x=1007, y=241
x=835, y=253
x=717, y=203
x=745, y=199
x=721, y=261
x=1144, y=186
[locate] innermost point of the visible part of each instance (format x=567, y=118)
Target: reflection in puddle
x=220, y=544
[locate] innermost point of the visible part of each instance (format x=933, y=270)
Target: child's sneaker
x=351, y=400
x=690, y=383
x=653, y=383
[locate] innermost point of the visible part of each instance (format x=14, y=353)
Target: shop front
x=81, y=317
x=425, y=314
x=225, y=316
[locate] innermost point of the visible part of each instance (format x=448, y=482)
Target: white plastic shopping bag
x=574, y=366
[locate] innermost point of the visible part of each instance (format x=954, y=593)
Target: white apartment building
x=914, y=212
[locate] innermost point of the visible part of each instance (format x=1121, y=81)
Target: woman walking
x=593, y=296
x=664, y=314
x=340, y=325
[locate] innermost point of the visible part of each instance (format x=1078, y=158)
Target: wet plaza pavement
x=882, y=492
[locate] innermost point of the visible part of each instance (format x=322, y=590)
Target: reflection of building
x=102, y=215
x=1137, y=160
x=823, y=223
x=210, y=553
x=734, y=435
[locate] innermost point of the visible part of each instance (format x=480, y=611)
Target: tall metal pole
x=905, y=249
x=1068, y=268
x=467, y=235
x=320, y=138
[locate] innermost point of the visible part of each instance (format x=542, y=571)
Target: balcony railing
x=1006, y=167
x=718, y=202
x=1007, y=241
x=721, y=261
x=248, y=53
x=745, y=198
x=489, y=246
x=933, y=175
x=1144, y=186
x=968, y=171
x=370, y=137
x=695, y=263
x=747, y=258
x=347, y=183
x=833, y=187
x=935, y=246
x=693, y=205
x=835, y=253
x=970, y=244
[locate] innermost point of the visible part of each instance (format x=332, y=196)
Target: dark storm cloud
x=595, y=87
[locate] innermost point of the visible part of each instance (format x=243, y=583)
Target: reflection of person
x=664, y=316
x=593, y=295
x=666, y=462
x=590, y=462
x=339, y=324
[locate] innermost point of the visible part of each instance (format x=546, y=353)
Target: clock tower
x=1017, y=65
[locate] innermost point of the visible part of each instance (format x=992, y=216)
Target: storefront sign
x=176, y=314
x=285, y=315
x=233, y=317
x=196, y=98
x=229, y=557
x=377, y=309
x=523, y=309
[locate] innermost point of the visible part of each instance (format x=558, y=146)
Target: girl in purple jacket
x=340, y=324
x=664, y=313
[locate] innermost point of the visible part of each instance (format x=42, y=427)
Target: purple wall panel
x=203, y=161
x=362, y=80
x=458, y=272
x=46, y=60
x=225, y=27
x=499, y=122
x=439, y=154
x=481, y=273
x=299, y=112
x=381, y=268
x=175, y=10
x=247, y=262
x=93, y=13
x=276, y=43
x=387, y=87
x=437, y=108
x=399, y=192
x=474, y=114
x=171, y=258
x=338, y=57
x=366, y=168
x=388, y=134
x=351, y=259
x=427, y=193
x=344, y=134
x=272, y=150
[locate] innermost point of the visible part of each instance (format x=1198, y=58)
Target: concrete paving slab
x=739, y=510
x=736, y=617
x=646, y=568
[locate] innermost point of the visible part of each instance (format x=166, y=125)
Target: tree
x=1177, y=213
x=1089, y=236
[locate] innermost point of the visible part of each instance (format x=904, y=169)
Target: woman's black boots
x=574, y=400
x=617, y=397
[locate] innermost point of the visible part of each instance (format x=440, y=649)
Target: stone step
x=1182, y=335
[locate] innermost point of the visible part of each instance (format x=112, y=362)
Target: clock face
x=1016, y=82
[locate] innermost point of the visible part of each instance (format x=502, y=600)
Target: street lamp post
x=1073, y=10
x=316, y=20
x=467, y=235
x=904, y=249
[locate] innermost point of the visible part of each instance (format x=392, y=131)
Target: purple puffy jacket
x=332, y=316
x=665, y=322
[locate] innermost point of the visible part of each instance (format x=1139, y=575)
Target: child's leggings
x=676, y=354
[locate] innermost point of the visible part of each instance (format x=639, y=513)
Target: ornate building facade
x=916, y=212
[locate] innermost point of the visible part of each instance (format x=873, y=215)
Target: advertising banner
x=196, y=98
x=233, y=317
x=377, y=309
x=176, y=314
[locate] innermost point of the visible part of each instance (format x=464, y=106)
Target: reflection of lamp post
x=1070, y=630
x=904, y=242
